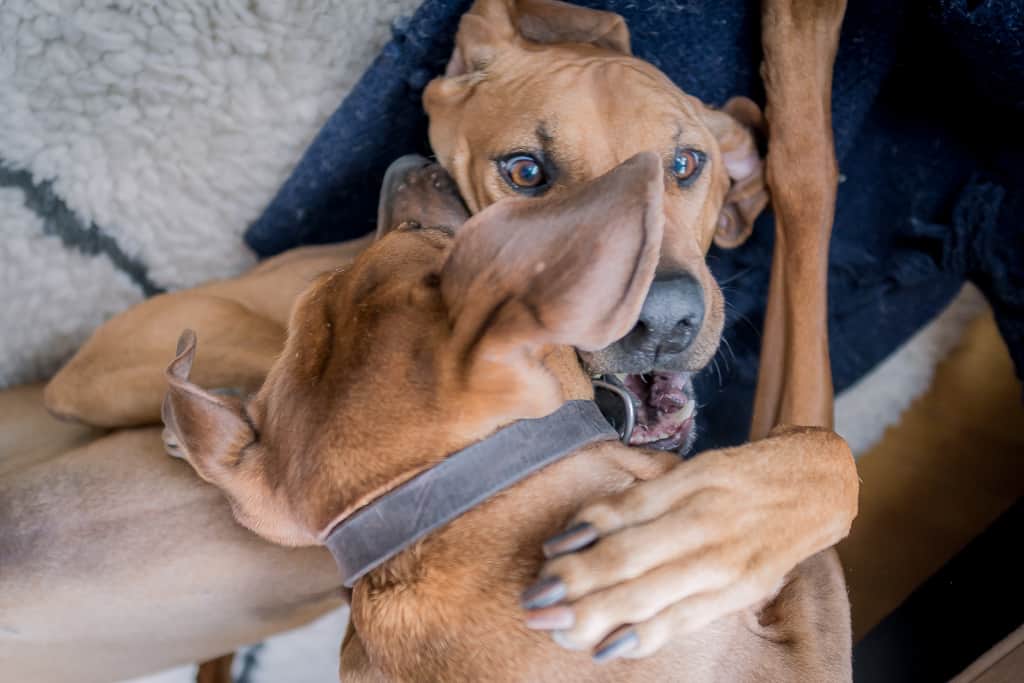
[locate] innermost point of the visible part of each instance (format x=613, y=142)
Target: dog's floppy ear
x=571, y=269
x=733, y=126
x=551, y=21
x=491, y=23
x=208, y=430
x=216, y=436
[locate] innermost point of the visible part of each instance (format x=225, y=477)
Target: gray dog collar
x=431, y=499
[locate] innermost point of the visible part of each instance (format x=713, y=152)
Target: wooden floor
x=1004, y=663
x=951, y=466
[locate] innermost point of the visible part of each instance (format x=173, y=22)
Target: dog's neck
x=439, y=603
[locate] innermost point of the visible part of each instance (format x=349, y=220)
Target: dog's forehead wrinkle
x=608, y=73
x=543, y=131
x=585, y=145
x=391, y=274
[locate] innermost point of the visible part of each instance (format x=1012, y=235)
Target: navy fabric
x=928, y=100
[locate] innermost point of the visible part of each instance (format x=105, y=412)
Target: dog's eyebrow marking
x=550, y=159
x=546, y=140
x=542, y=133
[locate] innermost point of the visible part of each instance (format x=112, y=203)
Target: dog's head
x=432, y=339
x=540, y=96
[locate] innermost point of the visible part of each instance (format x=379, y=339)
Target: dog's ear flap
x=734, y=126
x=208, y=430
x=482, y=30
x=491, y=23
x=551, y=21
x=571, y=269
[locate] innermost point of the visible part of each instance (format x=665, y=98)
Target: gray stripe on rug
x=61, y=221
x=250, y=660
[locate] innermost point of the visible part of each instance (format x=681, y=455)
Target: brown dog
x=541, y=96
x=427, y=344
x=765, y=506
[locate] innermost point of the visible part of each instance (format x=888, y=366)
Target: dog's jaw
x=665, y=409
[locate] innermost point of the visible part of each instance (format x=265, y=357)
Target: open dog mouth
x=664, y=404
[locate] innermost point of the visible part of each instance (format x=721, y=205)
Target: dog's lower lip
x=672, y=443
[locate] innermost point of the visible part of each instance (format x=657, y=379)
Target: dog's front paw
x=639, y=568
x=713, y=536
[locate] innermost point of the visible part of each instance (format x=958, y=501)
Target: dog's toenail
x=550, y=619
x=617, y=644
x=575, y=538
x=544, y=593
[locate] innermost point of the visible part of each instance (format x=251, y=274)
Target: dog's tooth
x=691, y=407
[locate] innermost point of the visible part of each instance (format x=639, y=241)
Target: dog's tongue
x=664, y=408
x=668, y=392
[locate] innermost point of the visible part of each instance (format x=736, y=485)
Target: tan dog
x=427, y=344
x=770, y=504
x=541, y=96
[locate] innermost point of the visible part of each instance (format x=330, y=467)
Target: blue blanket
x=928, y=106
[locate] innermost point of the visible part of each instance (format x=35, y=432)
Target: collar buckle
x=628, y=417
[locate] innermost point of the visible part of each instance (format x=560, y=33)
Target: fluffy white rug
x=137, y=141
x=141, y=137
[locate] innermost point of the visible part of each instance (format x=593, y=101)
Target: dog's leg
x=116, y=379
x=215, y=670
x=721, y=533
x=800, y=39
x=144, y=567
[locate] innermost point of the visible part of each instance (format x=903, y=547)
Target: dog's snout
x=670, y=318
x=417, y=190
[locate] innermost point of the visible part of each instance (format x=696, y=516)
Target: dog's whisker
x=714, y=364
x=734, y=276
x=728, y=347
x=740, y=318
x=725, y=360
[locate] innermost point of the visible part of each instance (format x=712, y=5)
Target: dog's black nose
x=670, y=318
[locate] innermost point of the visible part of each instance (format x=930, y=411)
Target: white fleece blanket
x=139, y=138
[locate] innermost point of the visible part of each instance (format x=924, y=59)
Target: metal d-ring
x=627, y=429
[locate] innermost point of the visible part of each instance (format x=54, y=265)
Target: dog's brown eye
x=523, y=172
x=687, y=165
